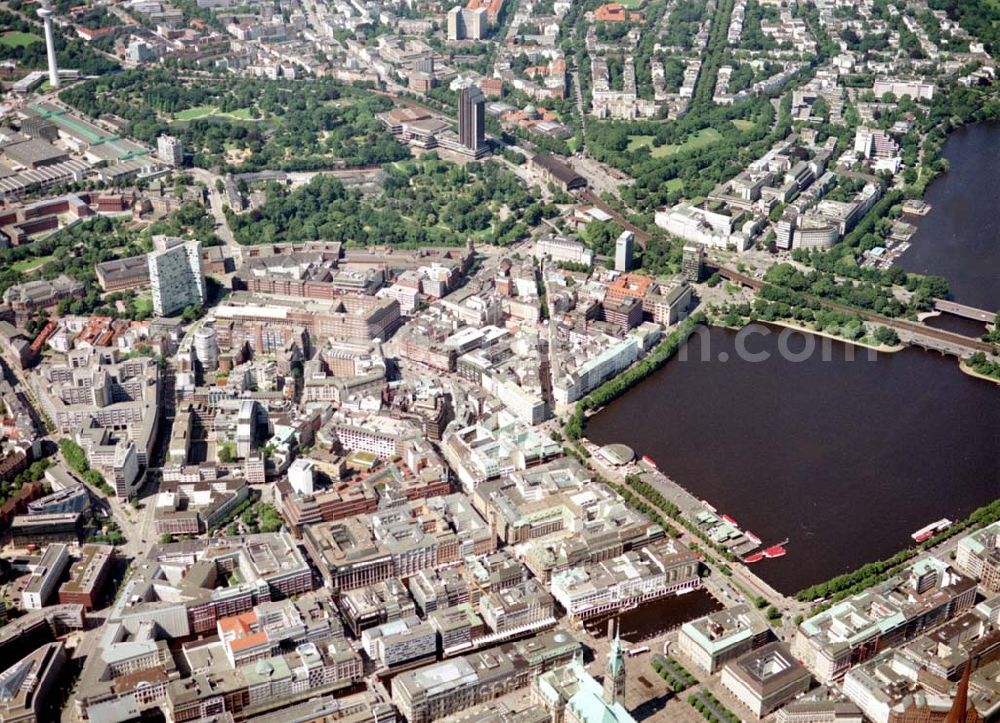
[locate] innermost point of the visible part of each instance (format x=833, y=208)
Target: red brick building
x=87, y=577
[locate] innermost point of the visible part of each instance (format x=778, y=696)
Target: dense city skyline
x=512, y=361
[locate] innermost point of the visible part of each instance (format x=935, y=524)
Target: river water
x=843, y=458
x=960, y=238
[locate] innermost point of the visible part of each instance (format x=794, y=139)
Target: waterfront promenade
x=690, y=506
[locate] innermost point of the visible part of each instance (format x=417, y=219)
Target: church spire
x=959, y=712
x=614, y=678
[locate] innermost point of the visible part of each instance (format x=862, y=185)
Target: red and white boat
x=730, y=520
x=775, y=551
x=926, y=533
x=767, y=554
x=649, y=460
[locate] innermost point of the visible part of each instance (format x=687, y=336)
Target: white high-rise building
x=456, y=25
x=45, y=579
x=125, y=470
x=466, y=24
x=206, y=347
x=175, y=274
x=624, y=247
x=251, y=424
x=300, y=475
x=170, y=150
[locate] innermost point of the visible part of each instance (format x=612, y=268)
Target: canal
x=658, y=616
x=844, y=458
x=960, y=238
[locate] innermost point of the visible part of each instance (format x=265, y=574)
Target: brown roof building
x=554, y=171
x=87, y=577
x=126, y=273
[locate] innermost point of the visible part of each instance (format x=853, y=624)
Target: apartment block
x=175, y=275
x=926, y=594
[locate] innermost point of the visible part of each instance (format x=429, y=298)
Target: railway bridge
x=910, y=332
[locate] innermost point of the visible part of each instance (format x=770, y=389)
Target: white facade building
x=45, y=578
x=626, y=580
x=175, y=274
x=699, y=225
x=576, y=383
x=170, y=150
x=300, y=476
x=560, y=248
x=624, y=247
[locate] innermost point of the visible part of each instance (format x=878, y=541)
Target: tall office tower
x=170, y=150
x=45, y=13
x=456, y=24
x=175, y=274
x=784, y=230
x=252, y=427
x=475, y=22
x=206, y=348
x=472, y=119
x=624, y=247
x=693, y=262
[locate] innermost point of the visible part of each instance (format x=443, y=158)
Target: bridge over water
x=969, y=312
x=910, y=332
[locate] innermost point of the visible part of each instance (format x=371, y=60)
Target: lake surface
x=957, y=324
x=844, y=458
x=960, y=238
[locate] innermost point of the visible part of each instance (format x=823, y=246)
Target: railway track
x=910, y=327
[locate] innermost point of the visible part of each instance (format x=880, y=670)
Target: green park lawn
x=199, y=111
x=144, y=303
x=17, y=39
x=704, y=137
x=743, y=125
x=637, y=142
x=208, y=111
x=239, y=114
x=632, y=4
x=28, y=265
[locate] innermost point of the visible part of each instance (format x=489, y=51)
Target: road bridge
x=911, y=332
x=969, y=312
